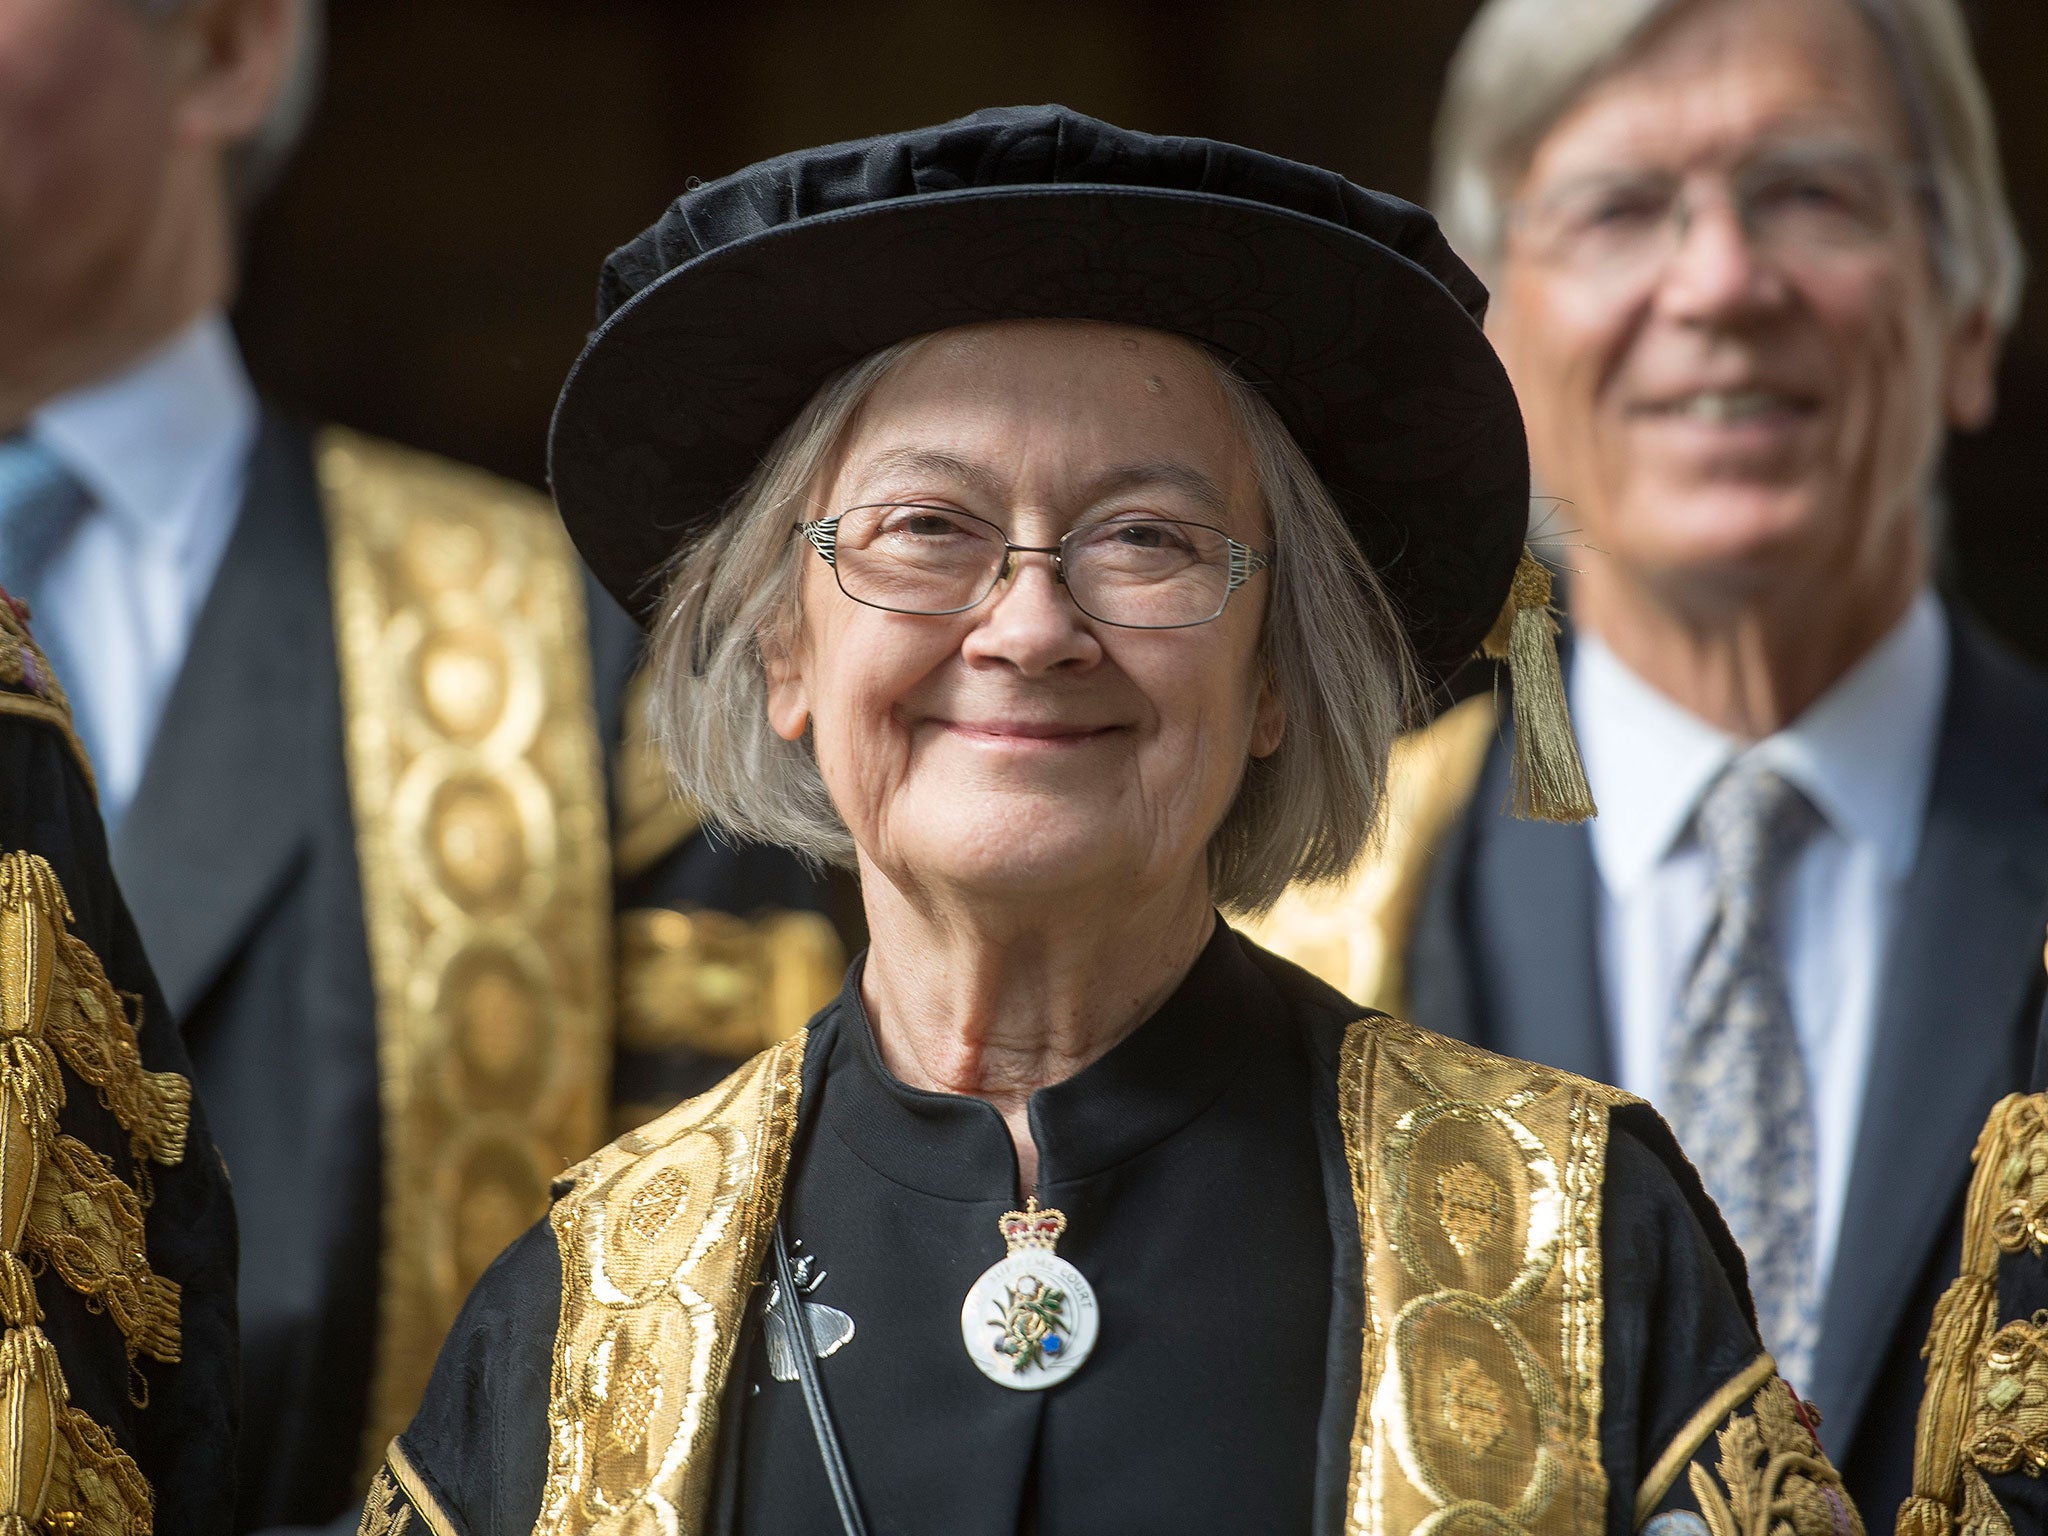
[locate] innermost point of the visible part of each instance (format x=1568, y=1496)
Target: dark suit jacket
x=239, y=858
x=1503, y=954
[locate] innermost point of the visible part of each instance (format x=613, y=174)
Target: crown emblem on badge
x=1032, y=1228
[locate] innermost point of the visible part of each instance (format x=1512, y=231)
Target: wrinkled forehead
x=1715, y=80
x=1056, y=412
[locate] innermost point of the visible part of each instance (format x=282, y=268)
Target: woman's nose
x=1031, y=622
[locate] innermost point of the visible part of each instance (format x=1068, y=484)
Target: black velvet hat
x=1345, y=307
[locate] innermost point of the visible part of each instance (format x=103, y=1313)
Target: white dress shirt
x=163, y=450
x=1864, y=755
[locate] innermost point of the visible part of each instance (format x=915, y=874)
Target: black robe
x=178, y=1421
x=1203, y=1175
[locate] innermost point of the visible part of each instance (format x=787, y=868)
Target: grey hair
x=255, y=165
x=1332, y=646
x=1524, y=62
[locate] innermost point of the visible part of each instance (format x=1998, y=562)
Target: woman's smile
x=1028, y=737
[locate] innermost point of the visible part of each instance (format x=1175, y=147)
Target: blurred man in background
x=1751, y=261
x=354, y=712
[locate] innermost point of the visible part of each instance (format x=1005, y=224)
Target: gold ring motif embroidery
x=479, y=805
x=1477, y=1184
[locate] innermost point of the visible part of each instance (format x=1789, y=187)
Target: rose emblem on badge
x=1030, y=1320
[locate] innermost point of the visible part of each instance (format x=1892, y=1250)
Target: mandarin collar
x=1159, y=1078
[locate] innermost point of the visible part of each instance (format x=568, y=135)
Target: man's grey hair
x=1523, y=63
x=1331, y=645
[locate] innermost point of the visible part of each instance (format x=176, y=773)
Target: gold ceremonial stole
x=478, y=790
x=660, y=1240
x=1354, y=933
x=1477, y=1182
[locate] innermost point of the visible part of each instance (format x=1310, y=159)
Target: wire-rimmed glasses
x=1803, y=202
x=1133, y=572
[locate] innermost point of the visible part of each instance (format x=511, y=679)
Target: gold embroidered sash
x=1478, y=1184
x=478, y=792
x=660, y=1241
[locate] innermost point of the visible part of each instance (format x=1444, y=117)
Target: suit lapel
x=220, y=815
x=1955, y=1014
x=1529, y=911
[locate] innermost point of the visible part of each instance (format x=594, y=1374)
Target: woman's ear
x=789, y=698
x=1269, y=719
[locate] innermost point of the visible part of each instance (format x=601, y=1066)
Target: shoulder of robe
x=117, y=1246
x=1354, y=932
x=474, y=1457
x=1981, y=1449
x=29, y=686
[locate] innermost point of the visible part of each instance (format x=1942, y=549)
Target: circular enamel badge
x=1030, y=1320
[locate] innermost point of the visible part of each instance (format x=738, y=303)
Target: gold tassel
x=1548, y=782
x=32, y=1398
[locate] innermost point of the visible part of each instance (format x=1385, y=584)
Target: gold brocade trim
x=2009, y=1428
x=1354, y=934
x=386, y=1511
x=61, y=1198
x=1773, y=1479
x=89, y=1225
x=660, y=1242
x=24, y=666
x=1478, y=1184
x=2004, y=1212
x=478, y=794
x=651, y=817
x=703, y=980
x=95, y=1488
x=1684, y=1445
x=418, y=1493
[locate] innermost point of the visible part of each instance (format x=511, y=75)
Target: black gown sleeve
x=165, y=1409
x=474, y=1459
x=1697, y=1429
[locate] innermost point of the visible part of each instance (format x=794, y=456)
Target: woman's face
x=1023, y=751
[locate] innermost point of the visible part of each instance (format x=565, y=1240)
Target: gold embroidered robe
x=1478, y=1397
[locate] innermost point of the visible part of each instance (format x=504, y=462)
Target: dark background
x=426, y=270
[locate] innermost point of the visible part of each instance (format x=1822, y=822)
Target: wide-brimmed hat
x=1346, y=308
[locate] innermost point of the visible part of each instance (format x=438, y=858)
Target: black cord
x=804, y=1346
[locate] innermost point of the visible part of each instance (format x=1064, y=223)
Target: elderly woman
x=1049, y=521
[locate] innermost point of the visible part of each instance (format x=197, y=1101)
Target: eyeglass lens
x=1801, y=202
x=1139, y=573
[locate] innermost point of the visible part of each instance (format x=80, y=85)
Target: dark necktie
x=1737, y=1088
x=41, y=502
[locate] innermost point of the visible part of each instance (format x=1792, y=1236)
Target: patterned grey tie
x=40, y=504
x=1737, y=1089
